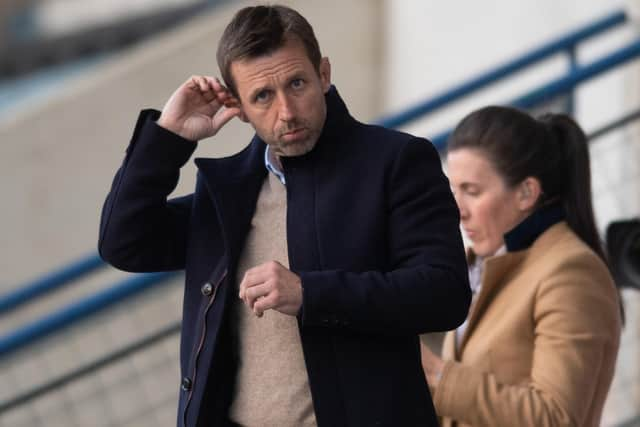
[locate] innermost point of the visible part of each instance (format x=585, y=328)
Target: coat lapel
x=234, y=184
x=494, y=275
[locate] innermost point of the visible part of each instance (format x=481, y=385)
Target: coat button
x=206, y=289
x=185, y=384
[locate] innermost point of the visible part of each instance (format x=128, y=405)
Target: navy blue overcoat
x=372, y=230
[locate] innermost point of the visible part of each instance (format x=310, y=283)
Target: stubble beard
x=285, y=148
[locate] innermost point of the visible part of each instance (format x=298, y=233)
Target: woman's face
x=488, y=208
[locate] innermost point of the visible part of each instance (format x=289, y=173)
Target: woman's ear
x=529, y=192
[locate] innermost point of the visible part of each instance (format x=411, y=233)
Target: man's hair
x=260, y=30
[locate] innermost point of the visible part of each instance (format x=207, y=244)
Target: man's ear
x=325, y=74
x=529, y=191
x=242, y=116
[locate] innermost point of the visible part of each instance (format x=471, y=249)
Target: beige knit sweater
x=272, y=386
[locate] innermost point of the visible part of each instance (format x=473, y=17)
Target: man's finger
x=253, y=277
x=201, y=83
x=263, y=304
x=223, y=94
x=223, y=116
x=258, y=274
x=217, y=85
x=229, y=101
x=255, y=293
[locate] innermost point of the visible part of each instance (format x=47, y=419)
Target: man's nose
x=286, y=110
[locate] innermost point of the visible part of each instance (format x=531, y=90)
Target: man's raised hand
x=195, y=110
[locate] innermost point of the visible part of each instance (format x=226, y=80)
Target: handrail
x=564, y=43
x=563, y=84
x=619, y=122
x=50, y=282
x=581, y=74
x=89, y=368
x=80, y=309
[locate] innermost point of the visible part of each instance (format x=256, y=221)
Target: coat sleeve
x=426, y=289
x=577, y=327
x=140, y=230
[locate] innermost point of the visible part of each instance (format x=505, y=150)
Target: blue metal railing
x=576, y=75
x=566, y=44
x=581, y=74
x=80, y=309
x=564, y=84
x=52, y=281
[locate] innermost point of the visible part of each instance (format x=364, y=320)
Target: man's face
x=282, y=96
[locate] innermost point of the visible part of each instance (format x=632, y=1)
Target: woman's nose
x=464, y=212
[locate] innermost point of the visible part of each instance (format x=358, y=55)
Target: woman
x=540, y=343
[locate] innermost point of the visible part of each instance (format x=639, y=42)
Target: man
x=313, y=258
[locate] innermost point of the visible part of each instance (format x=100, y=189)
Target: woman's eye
x=472, y=191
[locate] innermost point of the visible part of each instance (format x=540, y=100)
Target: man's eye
x=262, y=96
x=297, y=83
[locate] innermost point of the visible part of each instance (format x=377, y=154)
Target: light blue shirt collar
x=272, y=168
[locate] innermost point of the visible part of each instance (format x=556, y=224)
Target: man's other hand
x=199, y=108
x=271, y=286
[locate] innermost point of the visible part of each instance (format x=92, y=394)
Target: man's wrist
x=163, y=123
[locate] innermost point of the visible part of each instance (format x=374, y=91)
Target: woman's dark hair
x=259, y=30
x=552, y=148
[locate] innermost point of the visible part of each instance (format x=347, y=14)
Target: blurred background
x=84, y=345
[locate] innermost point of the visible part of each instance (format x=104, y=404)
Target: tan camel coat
x=541, y=341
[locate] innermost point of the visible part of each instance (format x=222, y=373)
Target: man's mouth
x=293, y=135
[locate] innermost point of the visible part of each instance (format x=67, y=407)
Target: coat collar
x=525, y=233
x=335, y=125
x=234, y=182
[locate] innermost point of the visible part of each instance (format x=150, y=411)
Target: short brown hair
x=259, y=30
